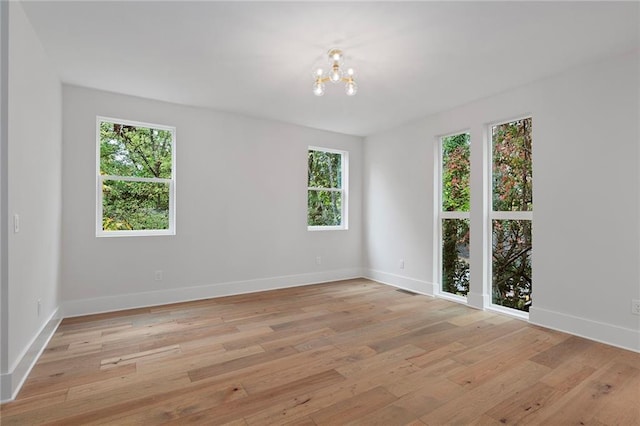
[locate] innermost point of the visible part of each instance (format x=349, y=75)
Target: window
x=136, y=178
x=455, y=156
x=327, y=185
x=512, y=214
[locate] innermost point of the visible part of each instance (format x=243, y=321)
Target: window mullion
x=135, y=179
x=455, y=215
x=316, y=188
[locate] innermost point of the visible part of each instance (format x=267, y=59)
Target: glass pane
x=455, y=256
x=135, y=151
x=325, y=170
x=324, y=208
x=134, y=206
x=512, y=168
x=511, y=267
x=456, y=157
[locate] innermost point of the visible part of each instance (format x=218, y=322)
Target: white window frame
x=344, y=190
x=501, y=215
x=441, y=214
x=101, y=178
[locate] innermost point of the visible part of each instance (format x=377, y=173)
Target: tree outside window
x=136, y=178
x=326, y=194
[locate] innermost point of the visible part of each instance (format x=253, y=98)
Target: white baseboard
x=609, y=334
x=405, y=283
x=74, y=308
x=12, y=381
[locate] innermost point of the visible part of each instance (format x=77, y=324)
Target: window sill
x=111, y=234
x=327, y=228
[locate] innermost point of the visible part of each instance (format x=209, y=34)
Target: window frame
x=100, y=232
x=502, y=215
x=443, y=215
x=344, y=190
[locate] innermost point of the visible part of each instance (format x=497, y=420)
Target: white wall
x=586, y=198
x=240, y=215
x=34, y=192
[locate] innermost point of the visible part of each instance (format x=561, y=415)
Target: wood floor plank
x=390, y=414
x=465, y=408
x=354, y=408
x=420, y=400
x=294, y=370
x=206, y=356
x=303, y=405
x=351, y=352
x=55, y=382
x=525, y=405
x=616, y=386
x=257, y=402
x=240, y=363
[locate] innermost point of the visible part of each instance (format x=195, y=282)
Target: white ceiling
x=256, y=58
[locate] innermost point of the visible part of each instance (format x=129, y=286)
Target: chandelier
x=336, y=75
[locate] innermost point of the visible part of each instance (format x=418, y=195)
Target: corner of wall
x=4, y=212
x=405, y=283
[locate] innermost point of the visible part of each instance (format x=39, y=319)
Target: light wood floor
x=348, y=352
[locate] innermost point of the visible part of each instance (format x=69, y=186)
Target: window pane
x=324, y=208
x=135, y=151
x=134, y=206
x=511, y=267
x=456, y=156
x=512, y=168
x=325, y=170
x=455, y=256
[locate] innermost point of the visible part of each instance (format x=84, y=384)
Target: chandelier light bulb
x=335, y=56
x=318, y=73
x=336, y=75
x=318, y=88
x=350, y=72
x=351, y=88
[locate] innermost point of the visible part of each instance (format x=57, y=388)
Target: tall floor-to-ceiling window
x=511, y=214
x=454, y=213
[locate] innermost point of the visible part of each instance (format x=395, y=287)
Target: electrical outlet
x=401, y=264
x=318, y=260
x=39, y=307
x=159, y=275
x=16, y=223
x=635, y=306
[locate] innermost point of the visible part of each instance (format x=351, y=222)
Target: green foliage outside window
x=456, y=157
x=512, y=167
x=456, y=171
x=512, y=263
x=455, y=256
x=324, y=194
x=128, y=151
x=512, y=191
